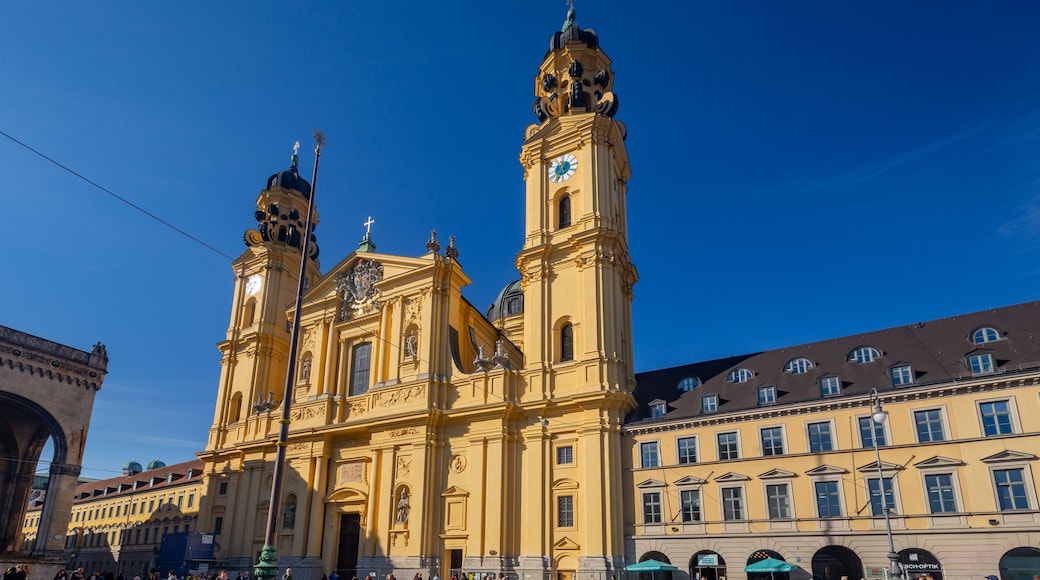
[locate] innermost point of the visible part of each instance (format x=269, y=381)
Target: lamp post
x=877, y=419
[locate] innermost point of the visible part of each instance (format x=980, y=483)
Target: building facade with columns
x=426, y=435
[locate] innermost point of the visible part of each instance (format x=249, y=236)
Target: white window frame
x=740, y=375
x=1027, y=482
x=909, y=375
x=823, y=392
x=714, y=406
x=790, y=500
x=985, y=337
x=660, y=506
x=559, y=450
x=743, y=502
x=657, y=454
x=864, y=354
x=718, y=449
x=783, y=440
x=833, y=434
x=841, y=497
x=767, y=389
x=988, y=356
x=958, y=500
x=895, y=507
x=883, y=427
x=700, y=505
x=1012, y=414
x=696, y=450
x=947, y=435
x=798, y=366
x=688, y=384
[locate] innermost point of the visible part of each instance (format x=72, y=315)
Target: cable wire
x=120, y=198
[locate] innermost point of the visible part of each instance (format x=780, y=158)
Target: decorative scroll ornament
x=358, y=285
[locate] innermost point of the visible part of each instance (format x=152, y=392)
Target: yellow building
x=425, y=436
x=117, y=524
x=772, y=455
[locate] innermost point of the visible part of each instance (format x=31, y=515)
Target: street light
x=877, y=419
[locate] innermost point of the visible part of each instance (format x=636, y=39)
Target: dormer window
x=739, y=375
x=688, y=384
x=830, y=386
x=797, y=366
x=767, y=395
x=657, y=409
x=981, y=364
x=709, y=403
x=863, y=355
x=901, y=375
x=984, y=335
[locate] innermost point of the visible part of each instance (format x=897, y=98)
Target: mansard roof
x=936, y=351
x=166, y=476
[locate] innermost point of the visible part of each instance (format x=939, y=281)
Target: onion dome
x=510, y=302
x=155, y=464
x=290, y=179
x=132, y=467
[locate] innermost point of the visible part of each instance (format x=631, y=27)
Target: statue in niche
x=411, y=344
x=289, y=515
x=305, y=373
x=402, y=507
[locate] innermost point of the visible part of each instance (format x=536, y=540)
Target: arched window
x=740, y=375
x=984, y=335
x=567, y=342
x=864, y=354
x=797, y=366
x=248, y=312
x=688, y=384
x=564, y=207
x=235, y=408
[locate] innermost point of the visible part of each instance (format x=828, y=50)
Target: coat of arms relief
x=358, y=286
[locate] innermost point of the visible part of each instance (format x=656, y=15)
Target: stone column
x=57, y=508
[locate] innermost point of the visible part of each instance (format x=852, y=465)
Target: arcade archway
x=834, y=562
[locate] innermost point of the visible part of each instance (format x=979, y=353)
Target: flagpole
x=267, y=566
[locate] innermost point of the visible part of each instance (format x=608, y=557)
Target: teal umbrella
x=651, y=566
x=771, y=565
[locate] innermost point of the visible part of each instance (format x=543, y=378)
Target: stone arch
x=832, y=562
x=1020, y=562
x=660, y=557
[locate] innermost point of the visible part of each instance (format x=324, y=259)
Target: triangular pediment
x=939, y=461
x=398, y=271
x=885, y=466
x=826, y=470
x=731, y=476
x=657, y=402
x=1009, y=455
x=689, y=480
x=566, y=543
x=778, y=474
x=651, y=483
x=454, y=491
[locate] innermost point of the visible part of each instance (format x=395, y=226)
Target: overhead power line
x=119, y=197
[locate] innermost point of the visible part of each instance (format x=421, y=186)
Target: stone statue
x=402, y=507
x=305, y=374
x=289, y=515
x=411, y=345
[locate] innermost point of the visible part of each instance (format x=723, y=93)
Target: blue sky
x=801, y=170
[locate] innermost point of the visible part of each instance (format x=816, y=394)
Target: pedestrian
x=334, y=576
x=60, y=575
x=288, y=574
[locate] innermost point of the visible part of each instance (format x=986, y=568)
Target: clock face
x=253, y=284
x=562, y=168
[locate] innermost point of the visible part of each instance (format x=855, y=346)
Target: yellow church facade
x=427, y=436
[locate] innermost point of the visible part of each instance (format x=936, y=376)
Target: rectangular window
x=766, y=395
x=996, y=418
x=565, y=511
x=830, y=386
x=691, y=505
x=652, y=507
x=868, y=429
x=218, y=525
x=687, y=450
x=657, y=410
x=828, y=502
x=176, y=529
x=727, y=443
x=151, y=505
x=772, y=441
x=133, y=508
x=564, y=455
x=820, y=437
x=902, y=375
x=709, y=403
x=180, y=500
x=732, y=503
x=980, y=363
x=360, y=362
x=1011, y=489
x=648, y=454
x=222, y=488
x=147, y=530
x=778, y=501
x=929, y=426
x=191, y=499
x=940, y=493
x=875, y=496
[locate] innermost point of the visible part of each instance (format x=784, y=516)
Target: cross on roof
x=368, y=225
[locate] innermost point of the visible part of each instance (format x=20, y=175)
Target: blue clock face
x=562, y=168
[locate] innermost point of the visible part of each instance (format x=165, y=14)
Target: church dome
x=155, y=464
x=132, y=467
x=510, y=302
x=290, y=179
x=571, y=31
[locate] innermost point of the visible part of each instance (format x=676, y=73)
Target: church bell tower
x=577, y=279
x=255, y=352
x=575, y=267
